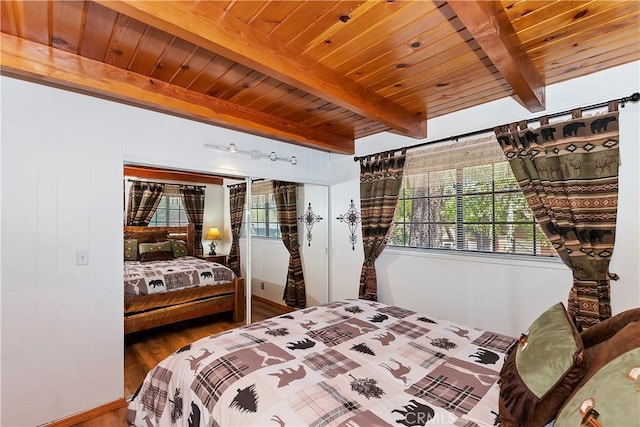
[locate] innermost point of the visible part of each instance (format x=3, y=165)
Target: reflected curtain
x=193, y=202
x=380, y=182
x=568, y=173
x=237, y=196
x=144, y=198
x=285, y=194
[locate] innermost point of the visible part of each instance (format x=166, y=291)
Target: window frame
x=535, y=242
x=166, y=200
x=267, y=222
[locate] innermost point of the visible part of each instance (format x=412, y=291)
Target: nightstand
x=220, y=259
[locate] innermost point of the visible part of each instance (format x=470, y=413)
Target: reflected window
x=170, y=213
x=263, y=219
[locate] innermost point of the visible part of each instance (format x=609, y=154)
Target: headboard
x=154, y=234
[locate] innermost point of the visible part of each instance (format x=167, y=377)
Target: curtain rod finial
x=635, y=97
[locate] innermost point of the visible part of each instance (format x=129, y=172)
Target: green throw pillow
x=610, y=389
x=541, y=372
x=610, y=396
x=179, y=248
x=159, y=251
x=144, y=248
x=130, y=249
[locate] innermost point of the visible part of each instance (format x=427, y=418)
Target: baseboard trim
x=273, y=304
x=87, y=415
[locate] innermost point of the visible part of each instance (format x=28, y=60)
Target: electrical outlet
x=82, y=257
x=262, y=285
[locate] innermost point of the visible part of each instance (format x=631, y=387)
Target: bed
x=346, y=363
x=174, y=286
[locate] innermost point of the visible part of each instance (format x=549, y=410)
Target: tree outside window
x=476, y=207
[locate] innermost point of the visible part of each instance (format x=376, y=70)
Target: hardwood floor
x=143, y=350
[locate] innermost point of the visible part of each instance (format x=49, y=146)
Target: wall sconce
x=254, y=154
x=352, y=218
x=309, y=218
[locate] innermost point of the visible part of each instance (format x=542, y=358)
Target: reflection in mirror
x=186, y=293
x=270, y=256
x=263, y=258
x=189, y=212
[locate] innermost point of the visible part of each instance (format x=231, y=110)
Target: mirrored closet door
x=270, y=254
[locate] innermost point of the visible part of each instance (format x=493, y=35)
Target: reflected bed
x=177, y=286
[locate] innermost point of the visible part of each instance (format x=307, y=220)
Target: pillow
x=542, y=371
x=599, y=333
x=130, y=249
x=609, y=390
x=179, y=248
x=160, y=251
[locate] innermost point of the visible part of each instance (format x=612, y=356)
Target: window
x=170, y=212
x=464, y=197
x=263, y=216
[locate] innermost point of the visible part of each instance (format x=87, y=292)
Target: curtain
x=380, y=182
x=193, y=202
x=568, y=173
x=285, y=194
x=144, y=198
x=237, y=195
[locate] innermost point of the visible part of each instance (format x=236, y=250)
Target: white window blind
x=462, y=196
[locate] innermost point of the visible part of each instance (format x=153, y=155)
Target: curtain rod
x=252, y=181
x=167, y=183
x=634, y=97
x=233, y=185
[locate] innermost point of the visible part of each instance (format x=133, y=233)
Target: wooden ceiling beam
x=49, y=65
x=209, y=26
x=489, y=24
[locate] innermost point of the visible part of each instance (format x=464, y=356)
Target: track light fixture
x=254, y=154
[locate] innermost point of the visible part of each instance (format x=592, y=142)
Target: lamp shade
x=213, y=234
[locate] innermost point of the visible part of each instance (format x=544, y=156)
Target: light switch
x=82, y=257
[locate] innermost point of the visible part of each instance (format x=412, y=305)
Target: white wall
x=269, y=264
x=315, y=256
x=492, y=292
x=214, y=203
x=62, y=159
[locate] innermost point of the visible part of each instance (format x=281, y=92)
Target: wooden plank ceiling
x=318, y=73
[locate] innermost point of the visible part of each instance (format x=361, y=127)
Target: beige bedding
x=346, y=363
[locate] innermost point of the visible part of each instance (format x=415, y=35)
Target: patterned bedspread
x=346, y=363
x=143, y=278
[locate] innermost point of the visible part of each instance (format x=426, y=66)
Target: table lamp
x=213, y=234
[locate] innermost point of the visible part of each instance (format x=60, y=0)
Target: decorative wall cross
x=352, y=218
x=309, y=218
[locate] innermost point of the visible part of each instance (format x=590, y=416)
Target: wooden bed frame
x=149, y=311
